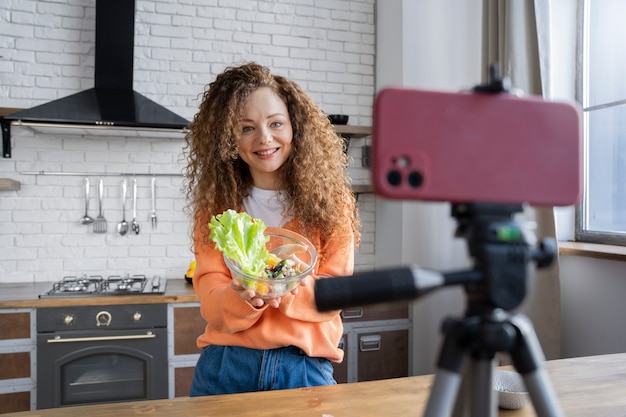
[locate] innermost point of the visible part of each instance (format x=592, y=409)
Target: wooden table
x=592, y=386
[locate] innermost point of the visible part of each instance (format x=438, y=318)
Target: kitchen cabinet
x=17, y=360
x=185, y=324
x=376, y=343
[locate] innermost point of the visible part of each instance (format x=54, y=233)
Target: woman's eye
x=246, y=129
x=276, y=124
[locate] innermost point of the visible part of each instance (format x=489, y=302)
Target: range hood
x=112, y=107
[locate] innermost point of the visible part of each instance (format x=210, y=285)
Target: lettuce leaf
x=241, y=238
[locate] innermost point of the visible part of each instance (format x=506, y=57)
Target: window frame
x=581, y=231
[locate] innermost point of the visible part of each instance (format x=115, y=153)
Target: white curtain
x=515, y=36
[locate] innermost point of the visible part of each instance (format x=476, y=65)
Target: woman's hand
x=253, y=298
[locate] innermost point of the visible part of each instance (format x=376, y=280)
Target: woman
x=260, y=144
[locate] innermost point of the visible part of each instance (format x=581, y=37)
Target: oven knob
x=137, y=316
x=68, y=319
x=103, y=318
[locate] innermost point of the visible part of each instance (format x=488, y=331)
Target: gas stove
x=96, y=285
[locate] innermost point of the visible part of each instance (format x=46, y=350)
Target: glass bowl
x=284, y=244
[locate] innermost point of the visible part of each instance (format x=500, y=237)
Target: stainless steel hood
x=112, y=107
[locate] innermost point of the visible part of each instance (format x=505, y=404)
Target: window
x=601, y=217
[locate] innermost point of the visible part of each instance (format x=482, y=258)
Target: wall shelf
x=7, y=184
x=348, y=131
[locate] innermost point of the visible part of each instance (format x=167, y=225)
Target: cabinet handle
x=370, y=343
x=352, y=313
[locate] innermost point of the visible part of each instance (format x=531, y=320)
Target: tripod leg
x=527, y=358
x=483, y=399
x=445, y=389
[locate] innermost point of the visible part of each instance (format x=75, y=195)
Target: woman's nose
x=265, y=136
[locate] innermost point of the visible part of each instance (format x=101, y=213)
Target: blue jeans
x=232, y=369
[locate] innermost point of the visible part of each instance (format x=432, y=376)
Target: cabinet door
x=15, y=362
x=341, y=369
x=15, y=326
x=188, y=325
x=383, y=311
x=14, y=365
x=182, y=380
x=14, y=402
x=383, y=355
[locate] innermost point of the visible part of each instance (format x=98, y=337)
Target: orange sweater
x=231, y=321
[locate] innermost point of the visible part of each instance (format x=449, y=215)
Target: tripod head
x=498, y=278
x=501, y=252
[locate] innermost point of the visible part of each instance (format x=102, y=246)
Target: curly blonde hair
x=314, y=177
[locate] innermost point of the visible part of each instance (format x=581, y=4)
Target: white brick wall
x=47, y=52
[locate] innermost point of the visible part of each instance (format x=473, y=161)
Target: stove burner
x=96, y=285
x=84, y=284
x=127, y=283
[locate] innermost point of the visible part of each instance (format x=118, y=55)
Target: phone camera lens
x=416, y=179
x=394, y=177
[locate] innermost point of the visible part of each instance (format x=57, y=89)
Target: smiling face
x=265, y=136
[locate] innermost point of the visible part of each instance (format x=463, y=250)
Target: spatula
x=100, y=223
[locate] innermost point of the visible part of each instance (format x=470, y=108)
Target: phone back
x=476, y=147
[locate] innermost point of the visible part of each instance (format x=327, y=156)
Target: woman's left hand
x=253, y=298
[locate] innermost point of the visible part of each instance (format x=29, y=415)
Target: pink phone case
x=476, y=147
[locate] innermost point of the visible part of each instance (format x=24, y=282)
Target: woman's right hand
x=252, y=297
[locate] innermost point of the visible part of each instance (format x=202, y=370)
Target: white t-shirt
x=266, y=205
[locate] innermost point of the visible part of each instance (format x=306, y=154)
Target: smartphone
x=476, y=147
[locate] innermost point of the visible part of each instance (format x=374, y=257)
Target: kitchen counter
x=17, y=295
x=588, y=386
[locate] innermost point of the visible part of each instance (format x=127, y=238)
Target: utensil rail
x=102, y=174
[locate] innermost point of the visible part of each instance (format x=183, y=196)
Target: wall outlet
x=365, y=156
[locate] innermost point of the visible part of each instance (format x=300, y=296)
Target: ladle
x=134, y=224
x=86, y=219
x=122, y=227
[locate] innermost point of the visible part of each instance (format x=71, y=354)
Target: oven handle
x=58, y=339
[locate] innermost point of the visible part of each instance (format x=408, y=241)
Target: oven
x=106, y=353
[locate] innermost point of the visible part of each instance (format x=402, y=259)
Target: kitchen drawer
x=383, y=355
x=17, y=360
x=14, y=365
x=14, y=402
x=383, y=311
x=188, y=325
x=182, y=380
x=341, y=369
x=15, y=325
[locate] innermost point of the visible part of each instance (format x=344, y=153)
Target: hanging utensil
x=122, y=227
x=134, y=225
x=153, y=216
x=86, y=219
x=100, y=224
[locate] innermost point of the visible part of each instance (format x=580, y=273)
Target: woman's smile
x=266, y=153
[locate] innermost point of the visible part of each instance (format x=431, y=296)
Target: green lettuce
x=241, y=238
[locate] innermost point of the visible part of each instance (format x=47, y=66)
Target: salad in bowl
x=270, y=261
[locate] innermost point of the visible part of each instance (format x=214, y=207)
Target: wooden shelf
x=7, y=184
x=362, y=189
x=353, y=131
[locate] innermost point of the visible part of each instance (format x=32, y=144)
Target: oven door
x=85, y=367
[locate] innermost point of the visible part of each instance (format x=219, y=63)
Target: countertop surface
x=585, y=387
x=14, y=295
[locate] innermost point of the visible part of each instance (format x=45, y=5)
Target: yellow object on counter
x=191, y=270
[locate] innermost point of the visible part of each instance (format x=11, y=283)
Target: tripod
x=501, y=253
x=496, y=285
